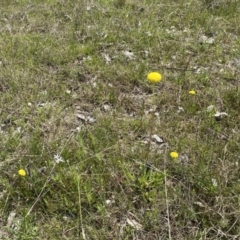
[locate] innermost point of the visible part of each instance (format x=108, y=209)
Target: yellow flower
x=154, y=77
x=192, y=92
x=174, y=155
x=22, y=172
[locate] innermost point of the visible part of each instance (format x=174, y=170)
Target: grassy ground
x=94, y=136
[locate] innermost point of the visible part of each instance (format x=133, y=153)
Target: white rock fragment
x=81, y=116
x=106, y=107
x=134, y=224
x=41, y=105
x=10, y=219
x=91, y=120
x=184, y=158
x=220, y=115
x=199, y=204
x=85, y=117
x=157, y=139
x=128, y=54
x=109, y=201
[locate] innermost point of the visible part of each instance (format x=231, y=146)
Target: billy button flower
x=173, y=155
x=192, y=92
x=22, y=172
x=154, y=77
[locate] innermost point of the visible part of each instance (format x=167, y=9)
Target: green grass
x=69, y=89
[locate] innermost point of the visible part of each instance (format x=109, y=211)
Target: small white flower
x=198, y=71
x=214, y=182
x=210, y=108
x=205, y=39
x=146, y=53
x=18, y=130
x=78, y=129
x=106, y=57
x=94, y=84
x=180, y=109
x=41, y=105
x=58, y=159
x=44, y=92
x=149, y=34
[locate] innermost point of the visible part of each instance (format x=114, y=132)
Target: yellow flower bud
x=154, y=77
x=174, y=155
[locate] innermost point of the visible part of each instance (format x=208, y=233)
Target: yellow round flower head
x=22, y=172
x=154, y=77
x=174, y=155
x=192, y=92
